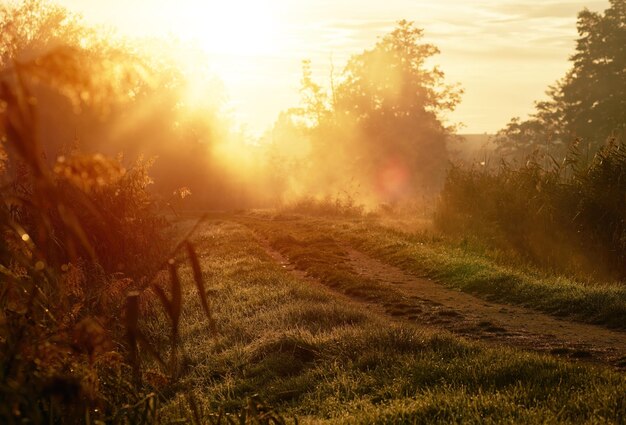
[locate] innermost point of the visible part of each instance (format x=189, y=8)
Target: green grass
x=457, y=265
x=314, y=356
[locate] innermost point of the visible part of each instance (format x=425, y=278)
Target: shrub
x=571, y=216
x=79, y=242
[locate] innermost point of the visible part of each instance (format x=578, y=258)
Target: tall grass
x=570, y=216
x=82, y=260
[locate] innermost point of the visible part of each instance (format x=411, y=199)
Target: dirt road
x=427, y=303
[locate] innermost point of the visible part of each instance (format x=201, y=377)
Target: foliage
x=104, y=94
x=76, y=240
x=589, y=103
x=58, y=354
x=380, y=125
x=594, y=94
x=521, y=139
x=125, y=222
x=570, y=216
x=53, y=48
x=392, y=79
x=85, y=189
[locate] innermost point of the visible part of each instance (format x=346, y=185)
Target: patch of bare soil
x=427, y=303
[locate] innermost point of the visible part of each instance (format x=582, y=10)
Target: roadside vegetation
x=86, y=253
x=569, y=217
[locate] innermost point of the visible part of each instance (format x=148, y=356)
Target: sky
x=504, y=53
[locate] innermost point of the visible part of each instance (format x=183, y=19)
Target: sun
x=234, y=27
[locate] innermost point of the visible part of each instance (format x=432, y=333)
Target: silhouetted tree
x=589, y=103
x=594, y=92
x=381, y=124
x=395, y=101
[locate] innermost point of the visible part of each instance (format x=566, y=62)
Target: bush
x=81, y=243
x=64, y=234
x=121, y=220
x=571, y=216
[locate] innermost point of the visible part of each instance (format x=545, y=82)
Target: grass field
x=304, y=338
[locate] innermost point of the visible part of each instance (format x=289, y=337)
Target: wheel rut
x=424, y=302
x=473, y=317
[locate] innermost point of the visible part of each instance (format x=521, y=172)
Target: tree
x=392, y=78
x=106, y=95
x=589, y=103
x=593, y=94
x=521, y=139
x=396, y=102
x=54, y=47
x=33, y=28
x=381, y=125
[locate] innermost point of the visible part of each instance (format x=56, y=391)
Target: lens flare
x=393, y=179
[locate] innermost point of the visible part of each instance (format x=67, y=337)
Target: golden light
x=224, y=49
x=232, y=28
x=393, y=179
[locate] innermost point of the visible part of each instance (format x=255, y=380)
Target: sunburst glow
x=234, y=28
x=256, y=46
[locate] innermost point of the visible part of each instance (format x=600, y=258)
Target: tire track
x=423, y=302
x=475, y=318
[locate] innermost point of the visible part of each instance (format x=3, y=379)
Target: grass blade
x=132, y=332
x=197, y=275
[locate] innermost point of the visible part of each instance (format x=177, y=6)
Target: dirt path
x=476, y=318
x=427, y=303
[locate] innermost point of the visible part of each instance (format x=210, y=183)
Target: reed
x=569, y=216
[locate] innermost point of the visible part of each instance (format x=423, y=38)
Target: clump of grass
x=339, y=206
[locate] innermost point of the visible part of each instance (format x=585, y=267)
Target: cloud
x=542, y=10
